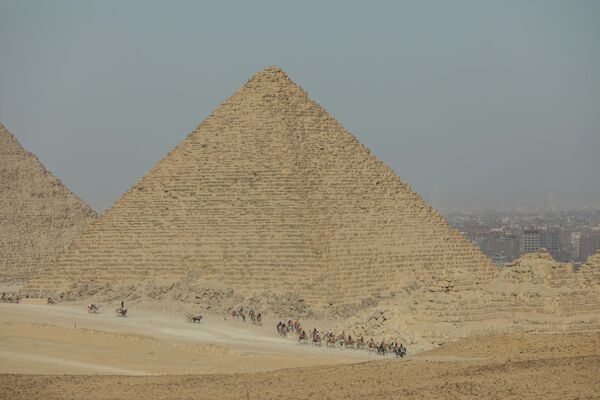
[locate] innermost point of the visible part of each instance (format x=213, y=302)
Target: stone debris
x=201, y=296
x=534, y=293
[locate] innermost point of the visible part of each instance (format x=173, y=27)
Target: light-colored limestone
x=590, y=271
x=535, y=293
x=271, y=193
x=39, y=216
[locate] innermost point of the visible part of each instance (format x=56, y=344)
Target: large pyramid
x=271, y=192
x=39, y=216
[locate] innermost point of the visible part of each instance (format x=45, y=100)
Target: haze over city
x=474, y=104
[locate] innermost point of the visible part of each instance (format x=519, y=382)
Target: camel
x=193, y=318
x=302, y=338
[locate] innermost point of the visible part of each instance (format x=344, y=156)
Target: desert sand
x=61, y=352
x=40, y=339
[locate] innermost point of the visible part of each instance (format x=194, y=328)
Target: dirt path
x=66, y=339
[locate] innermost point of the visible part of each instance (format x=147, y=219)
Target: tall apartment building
x=493, y=239
x=509, y=246
x=531, y=241
x=550, y=239
x=589, y=243
x=575, y=238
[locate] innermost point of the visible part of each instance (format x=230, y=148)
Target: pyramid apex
x=271, y=74
x=273, y=80
x=273, y=70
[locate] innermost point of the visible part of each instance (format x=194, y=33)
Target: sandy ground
x=65, y=339
x=232, y=360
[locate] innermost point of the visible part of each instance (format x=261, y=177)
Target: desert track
x=44, y=356
x=61, y=339
x=528, y=376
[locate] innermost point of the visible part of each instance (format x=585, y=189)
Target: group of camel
x=10, y=298
x=255, y=317
x=317, y=338
x=94, y=309
x=340, y=341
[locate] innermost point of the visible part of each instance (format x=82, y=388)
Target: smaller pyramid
x=39, y=216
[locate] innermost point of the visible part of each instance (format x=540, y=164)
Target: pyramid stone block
x=271, y=192
x=39, y=216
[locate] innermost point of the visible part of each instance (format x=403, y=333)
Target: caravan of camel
x=331, y=340
x=10, y=298
x=340, y=341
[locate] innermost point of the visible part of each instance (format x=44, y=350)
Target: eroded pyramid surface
x=39, y=216
x=271, y=192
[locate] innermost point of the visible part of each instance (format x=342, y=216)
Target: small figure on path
x=122, y=311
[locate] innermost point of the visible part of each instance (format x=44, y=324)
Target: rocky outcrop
x=535, y=293
x=590, y=271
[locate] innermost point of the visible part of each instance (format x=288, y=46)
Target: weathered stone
x=39, y=216
x=271, y=193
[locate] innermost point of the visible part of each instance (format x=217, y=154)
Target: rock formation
x=534, y=293
x=271, y=193
x=590, y=271
x=39, y=216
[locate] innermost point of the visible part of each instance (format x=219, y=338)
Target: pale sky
x=473, y=103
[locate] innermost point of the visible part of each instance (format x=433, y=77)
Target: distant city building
x=550, y=240
x=565, y=237
x=569, y=236
x=531, y=241
x=509, y=246
x=575, y=237
x=589, y=243
x=499, y=246
x=562, y=255
x=494, y=237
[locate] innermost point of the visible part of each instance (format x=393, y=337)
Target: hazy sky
x=473, y=103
